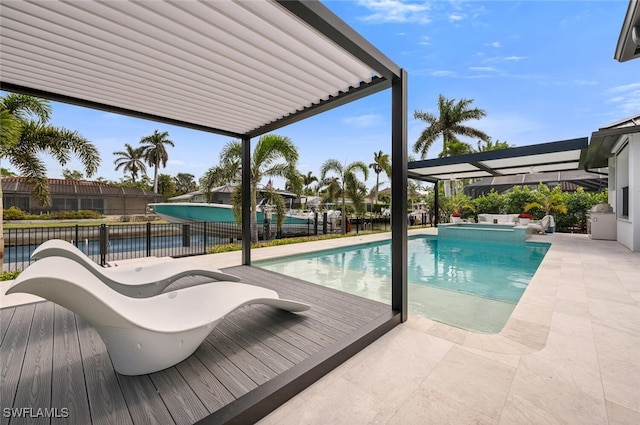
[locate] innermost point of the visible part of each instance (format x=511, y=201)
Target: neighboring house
x=73, y=195
x=618, y=147
x=220, y=195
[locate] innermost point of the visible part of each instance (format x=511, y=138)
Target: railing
x=108, y=243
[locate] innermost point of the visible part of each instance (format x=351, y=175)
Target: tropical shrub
x=9, y=275
x=547, y=202
x=517, y=198
x=491, y=203
x=459, y=204
x=13, y=213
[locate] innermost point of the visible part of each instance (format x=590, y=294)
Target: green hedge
x=15, y=213
x=578, y=204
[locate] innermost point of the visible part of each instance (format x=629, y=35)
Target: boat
x=296, y=221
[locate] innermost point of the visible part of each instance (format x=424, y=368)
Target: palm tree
x=448, y=124
x=155, y=152
x=307, y=179
x=548, y=200
x=273, y=156
x=331, y=189
x=490, y=145
x=380, y=163
x=185, y=183
x=166, y=186
x=131, y=160
x=456, y=147
x=219, y=175
x=347, y=178
x=26, y=133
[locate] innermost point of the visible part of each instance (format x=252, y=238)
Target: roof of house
x=62, y=187
x=628, y=46
x=603, y=141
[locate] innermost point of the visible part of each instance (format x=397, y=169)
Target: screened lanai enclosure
x=234, y=68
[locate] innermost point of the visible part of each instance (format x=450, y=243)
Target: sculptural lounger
x=139, y=282
x=143, y=335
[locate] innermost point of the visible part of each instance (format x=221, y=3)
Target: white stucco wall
x=627, y=173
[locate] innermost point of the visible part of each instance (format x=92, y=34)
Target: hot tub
x=506, y=232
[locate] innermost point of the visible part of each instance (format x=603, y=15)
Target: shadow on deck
x=253, y=361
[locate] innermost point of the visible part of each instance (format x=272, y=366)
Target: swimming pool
x=470, y=284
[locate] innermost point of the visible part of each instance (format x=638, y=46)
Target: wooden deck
x=254, y=360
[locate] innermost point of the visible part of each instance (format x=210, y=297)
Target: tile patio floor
x=568, y=355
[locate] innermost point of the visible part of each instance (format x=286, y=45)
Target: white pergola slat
x=546, y=157
x=231, y=67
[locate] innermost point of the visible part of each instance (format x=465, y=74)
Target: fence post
x=315, y=223
x=148, y=239
x=186, y=240
x=104, y=244
x=76, y=238
x=204, y=237
x=325, y=219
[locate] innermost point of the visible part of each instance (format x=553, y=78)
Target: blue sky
x=542, y=70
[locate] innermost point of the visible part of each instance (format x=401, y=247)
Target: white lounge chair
x=542, y=225
x=143, y=335
x=139, y=282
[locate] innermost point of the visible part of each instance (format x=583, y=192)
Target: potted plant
x=525, y=218
x=456, y=217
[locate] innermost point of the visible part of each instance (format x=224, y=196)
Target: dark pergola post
x=436, y=196
x=246, y=201
x=399, y=195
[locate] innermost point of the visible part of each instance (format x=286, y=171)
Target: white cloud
x=495, y=44
x=626, y=99
x=425, y=40
x=505, y=58
x=456, y=17
x=625, y=88
x=442, y=73
x=515, y=58
x=483, y=68
x=362, y=121
x=396, y=11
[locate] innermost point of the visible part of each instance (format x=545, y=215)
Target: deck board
x=68, y=377
x=12, y=354
x=252, y=346
x=179, y=397
x=106, y=399
x=34, y=386
x=5, y=318
x=144, y=403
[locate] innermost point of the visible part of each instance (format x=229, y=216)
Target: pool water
x=470, y=284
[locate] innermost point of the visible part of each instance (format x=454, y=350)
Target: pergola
x=234, y=68
x=544, y=157
x=240, y=69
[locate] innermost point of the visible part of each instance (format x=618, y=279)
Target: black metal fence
x=109, y=243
